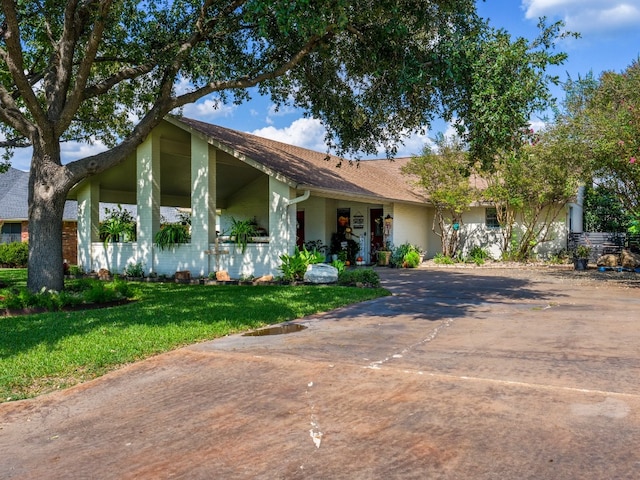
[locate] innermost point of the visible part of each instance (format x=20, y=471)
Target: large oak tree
x=107, y=70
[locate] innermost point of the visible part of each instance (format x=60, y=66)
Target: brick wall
x=69, y=240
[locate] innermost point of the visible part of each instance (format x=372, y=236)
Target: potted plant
x=171, y=234
x=242, y=231
x=119, y=226
x=384, y=254
x=581, y=257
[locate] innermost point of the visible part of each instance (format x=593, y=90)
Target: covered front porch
x=182, y=168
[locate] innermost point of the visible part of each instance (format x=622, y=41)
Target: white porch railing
x=260, y=258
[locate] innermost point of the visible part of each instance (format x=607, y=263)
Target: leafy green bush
x=295, y=266
x=14, y=254
x=119, y=226
x=83, y=291
x=411, y=259
x=442, y=259
x=478, y=255
x=399, y=255
x=338, y=265
x=365, y=276
x=75, y=270
x=135, y=270
x=242, y=231
x=171, y=234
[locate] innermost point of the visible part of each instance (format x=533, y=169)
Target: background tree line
x=592, y=141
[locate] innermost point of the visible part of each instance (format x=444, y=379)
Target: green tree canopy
x=601, y=122
x=443, y=173
x=371, y=70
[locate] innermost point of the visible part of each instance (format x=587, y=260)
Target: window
x=491, y=218
x=10, y=232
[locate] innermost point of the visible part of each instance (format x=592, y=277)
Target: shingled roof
x=310, y=170
x=14, y=197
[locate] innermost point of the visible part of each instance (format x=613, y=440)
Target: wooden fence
x=602, y=243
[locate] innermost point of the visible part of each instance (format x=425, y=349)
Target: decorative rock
x=104, y=274
x=264, y=279
x=321, y=273
x=629, y=260
x=609, y=260
x=223, y=276
x=183, y=275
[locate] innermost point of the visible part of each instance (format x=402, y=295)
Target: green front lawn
x=48, y=351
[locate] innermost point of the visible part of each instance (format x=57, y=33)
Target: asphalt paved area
x=461, y=374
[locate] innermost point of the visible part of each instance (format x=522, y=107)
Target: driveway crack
x=429, y=338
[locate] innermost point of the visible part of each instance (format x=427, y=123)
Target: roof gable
x=308, y=169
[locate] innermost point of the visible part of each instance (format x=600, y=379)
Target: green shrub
x=119, y=226
x=399, y=255
x=338, y=265
x=171, y=234
x=295, y=266
x=478, y=255
x=411, y=260
x=442, y=259
x=134, y=270
x=365, y=276
x=78, y=292
x=14, y=254
x=75, y=270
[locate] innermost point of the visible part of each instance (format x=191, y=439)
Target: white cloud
x=304, y=132
x=309, y=133
x=71, y=151
x=208, y=109
x=588, y=16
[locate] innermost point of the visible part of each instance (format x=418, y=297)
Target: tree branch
x=15, y=143
x=15, y=62
x=11, y=114
x=247, y=82
x=75, y=98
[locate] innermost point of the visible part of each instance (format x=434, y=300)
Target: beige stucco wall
x=410, y=225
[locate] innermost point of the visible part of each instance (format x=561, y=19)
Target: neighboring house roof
x=14, y=201
x=14, y=197
x=310, y=170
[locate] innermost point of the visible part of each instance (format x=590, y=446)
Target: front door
x=376, y=231
x=300, y=229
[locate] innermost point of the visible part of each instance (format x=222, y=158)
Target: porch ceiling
x=118, y=185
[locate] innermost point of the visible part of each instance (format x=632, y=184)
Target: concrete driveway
x=461, y=374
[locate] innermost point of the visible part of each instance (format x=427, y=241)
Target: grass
x=49, y=351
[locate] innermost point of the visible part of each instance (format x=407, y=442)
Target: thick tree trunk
x=47, y=196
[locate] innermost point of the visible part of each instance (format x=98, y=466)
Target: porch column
x=88, y=222
x=282, y=219
x=203, y=196
x=148, y=199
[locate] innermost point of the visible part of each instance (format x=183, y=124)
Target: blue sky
x=610, y=41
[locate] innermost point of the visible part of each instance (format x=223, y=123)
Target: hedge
x=14, y=254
